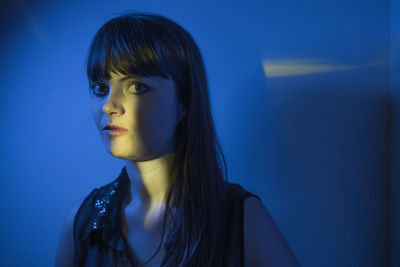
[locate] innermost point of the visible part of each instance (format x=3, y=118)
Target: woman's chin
x=118, y=154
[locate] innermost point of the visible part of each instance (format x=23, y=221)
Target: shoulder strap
x=234, y=234
x=238, y=190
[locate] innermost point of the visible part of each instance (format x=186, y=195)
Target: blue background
x=319, y=148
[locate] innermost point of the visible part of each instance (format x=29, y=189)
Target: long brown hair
x=149, y=44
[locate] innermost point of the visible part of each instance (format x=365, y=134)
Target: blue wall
x=300, y=95
x=395, y=93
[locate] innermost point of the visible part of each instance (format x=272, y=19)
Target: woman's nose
x=113, y=105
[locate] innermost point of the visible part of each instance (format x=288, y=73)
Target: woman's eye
x=137, y=88
x=98, y=90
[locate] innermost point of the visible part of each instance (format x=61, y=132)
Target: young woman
x=171, y=204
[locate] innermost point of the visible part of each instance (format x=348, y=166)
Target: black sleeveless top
x=98, y=236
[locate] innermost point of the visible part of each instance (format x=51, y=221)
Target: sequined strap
x=105, y=201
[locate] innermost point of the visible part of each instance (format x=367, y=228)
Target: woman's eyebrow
x=127, y=77
x=122, y=79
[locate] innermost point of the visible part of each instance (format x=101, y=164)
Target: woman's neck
x=148, y=181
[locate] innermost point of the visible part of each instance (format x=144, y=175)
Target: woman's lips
x=113, y=127
x=115, y=132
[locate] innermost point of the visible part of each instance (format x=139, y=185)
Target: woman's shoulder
x=65, y=246
x=76, y=215
x=264, y=243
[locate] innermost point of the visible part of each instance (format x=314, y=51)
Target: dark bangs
x=135, y=46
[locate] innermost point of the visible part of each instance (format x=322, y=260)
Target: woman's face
x=147, y=107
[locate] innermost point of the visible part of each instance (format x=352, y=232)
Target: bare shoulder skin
x=264, y=243
x=65, y=247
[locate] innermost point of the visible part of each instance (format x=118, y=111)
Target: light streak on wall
x=293, y=67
